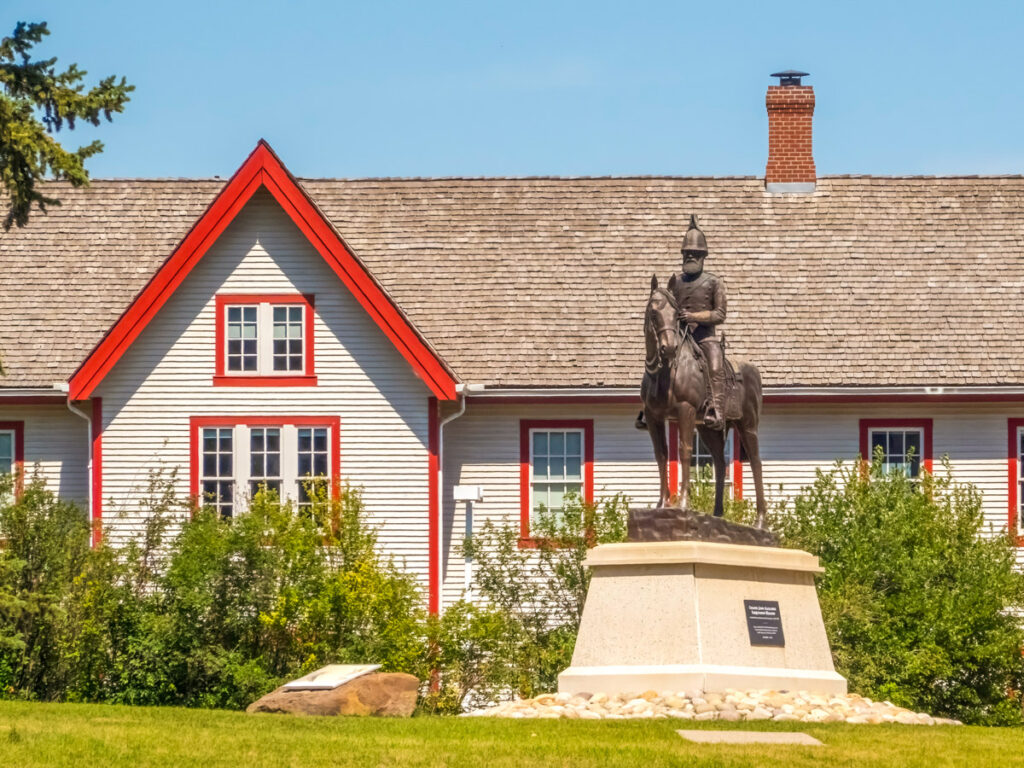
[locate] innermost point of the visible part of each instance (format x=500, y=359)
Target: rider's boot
x=641, y=422
x=715, y=416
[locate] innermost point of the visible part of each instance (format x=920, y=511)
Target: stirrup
x=714, y=422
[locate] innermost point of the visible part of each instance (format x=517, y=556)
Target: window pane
x=556, y=496
x=877, y=439
x=573, y=468
x=305, y=439
x=556, y=467
x=295, y=314
x=320, y=439
x=540, y=468
x=540, y=443
x=896, y=451
x=280, y=314
x=557, y=443
x=572, y=444
x=912, y=442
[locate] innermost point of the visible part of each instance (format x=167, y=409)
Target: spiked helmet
x=694, y=239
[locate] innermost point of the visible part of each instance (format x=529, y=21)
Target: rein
x=655, y=364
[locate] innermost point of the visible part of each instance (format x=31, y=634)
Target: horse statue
x=675, y=387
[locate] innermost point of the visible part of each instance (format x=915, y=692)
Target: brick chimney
x=790, y=105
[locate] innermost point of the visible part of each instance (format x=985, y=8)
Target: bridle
x=655, y=364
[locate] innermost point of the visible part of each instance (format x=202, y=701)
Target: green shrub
x=919, y=605
x=44, y=545
x=539, y=590
x=216, y=614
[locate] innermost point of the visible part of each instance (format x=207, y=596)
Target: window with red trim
x=556, y=457
x=905, y=444
x=264, y=340
x=1015, y=465
x=12, y=451
x=232, y=458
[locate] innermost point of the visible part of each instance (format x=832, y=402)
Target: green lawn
x=94, y=735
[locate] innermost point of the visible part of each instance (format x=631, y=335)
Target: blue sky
x=379, y=88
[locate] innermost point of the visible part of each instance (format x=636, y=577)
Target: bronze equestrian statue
x=687, y=380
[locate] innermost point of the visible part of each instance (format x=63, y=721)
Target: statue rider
x=701, y=299
x=700, y=296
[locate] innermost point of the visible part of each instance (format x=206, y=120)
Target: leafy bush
x=44, y=545
x=216, y=615
x=535, y=593
x=920, y=607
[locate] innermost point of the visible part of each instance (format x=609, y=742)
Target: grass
x=99, y=735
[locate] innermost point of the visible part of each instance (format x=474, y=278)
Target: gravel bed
x=730, y=705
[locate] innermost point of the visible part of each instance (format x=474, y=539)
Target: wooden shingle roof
x=541, y=282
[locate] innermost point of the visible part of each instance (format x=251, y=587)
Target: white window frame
x=888, y=464
x=265, y=337
x=242, y=455
x=698, y=456
x=583, y=458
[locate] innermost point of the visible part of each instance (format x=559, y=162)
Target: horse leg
x=749, y=439
x=687, y=418
x=714, y=439
x=656, y=429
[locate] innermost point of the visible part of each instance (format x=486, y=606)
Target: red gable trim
x=264, y=169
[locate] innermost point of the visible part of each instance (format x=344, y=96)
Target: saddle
x=732, y=402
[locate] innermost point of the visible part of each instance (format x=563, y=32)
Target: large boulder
x=382, y=694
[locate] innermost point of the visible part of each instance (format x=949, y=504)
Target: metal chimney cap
x=789, y=77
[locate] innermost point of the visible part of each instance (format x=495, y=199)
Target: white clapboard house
x=412, y=335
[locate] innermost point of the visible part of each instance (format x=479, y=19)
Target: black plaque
x=764, y=622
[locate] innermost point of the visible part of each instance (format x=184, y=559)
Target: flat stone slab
x=330, y=676
x=673, y=524
x=749, y=737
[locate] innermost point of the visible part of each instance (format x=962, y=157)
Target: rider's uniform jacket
x=705, y=297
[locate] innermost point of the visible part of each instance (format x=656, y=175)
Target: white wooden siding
x=56, y=446
x=482, y=448
x=166, y=377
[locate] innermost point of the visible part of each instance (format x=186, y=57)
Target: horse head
x=661, y=329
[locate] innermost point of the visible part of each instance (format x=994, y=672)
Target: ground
x=93, y=735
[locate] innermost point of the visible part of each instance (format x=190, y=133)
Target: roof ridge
x=609, y=177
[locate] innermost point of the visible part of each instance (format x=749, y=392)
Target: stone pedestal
x=670, y=616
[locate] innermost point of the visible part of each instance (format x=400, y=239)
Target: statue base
x=680, y=615
x=675, y=524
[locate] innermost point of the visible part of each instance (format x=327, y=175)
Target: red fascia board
x=262, y=169
x=525, y=425
x=223, y=379
x=58, y=399
x=1013, y=478
x=195, y=423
